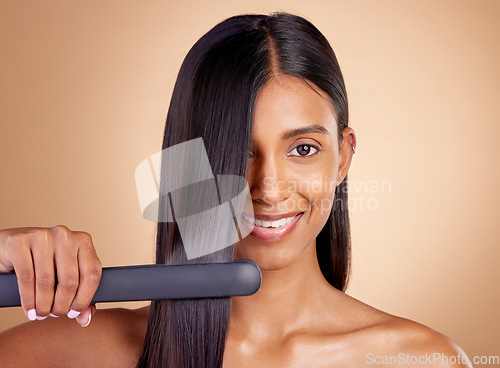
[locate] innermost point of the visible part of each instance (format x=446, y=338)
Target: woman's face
x=293, y=168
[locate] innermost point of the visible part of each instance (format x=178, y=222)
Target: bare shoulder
x=417, y=345
x=389, y=340
x=114, y=338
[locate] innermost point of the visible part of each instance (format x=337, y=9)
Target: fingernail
x=40, y=318
x=73, y=314
x=86, y=324
x=53, y=315
x=32, y=314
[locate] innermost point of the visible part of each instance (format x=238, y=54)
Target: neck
x=287, y=301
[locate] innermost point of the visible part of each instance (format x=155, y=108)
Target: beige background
x=84, y=90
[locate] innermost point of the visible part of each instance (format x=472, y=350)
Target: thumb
x=85, y=317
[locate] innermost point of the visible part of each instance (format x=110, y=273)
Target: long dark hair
x=214, y=98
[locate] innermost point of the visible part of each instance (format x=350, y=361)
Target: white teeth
x=276, y=223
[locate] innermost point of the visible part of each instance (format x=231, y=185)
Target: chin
x=269, y=259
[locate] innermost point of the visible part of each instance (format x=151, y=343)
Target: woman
x=267, y=96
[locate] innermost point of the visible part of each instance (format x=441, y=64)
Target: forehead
x=287, y=102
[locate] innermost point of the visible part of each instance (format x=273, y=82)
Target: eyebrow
x=305, y=130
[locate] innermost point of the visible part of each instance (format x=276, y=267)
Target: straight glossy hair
x=213, y=98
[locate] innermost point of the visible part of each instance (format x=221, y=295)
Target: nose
x=267, y=182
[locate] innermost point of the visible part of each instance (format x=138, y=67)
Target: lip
x=263, y=217
x=270, y=234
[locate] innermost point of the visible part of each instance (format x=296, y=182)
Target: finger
x=85, y=317
x=44, y=275
x=90, y=275
x=22, y=262
x=66, y=262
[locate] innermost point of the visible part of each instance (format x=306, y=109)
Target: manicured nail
x=73, y=314
x=40, y=318
x=86, y=324
x=32, y=314
x=53, y=315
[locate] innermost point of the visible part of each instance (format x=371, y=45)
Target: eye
x=304, y=150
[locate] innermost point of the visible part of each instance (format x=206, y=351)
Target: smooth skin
x=295, y=319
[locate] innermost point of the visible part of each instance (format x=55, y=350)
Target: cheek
x=322, y=196
x=318, y=188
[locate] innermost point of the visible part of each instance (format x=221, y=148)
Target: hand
x=37, y=255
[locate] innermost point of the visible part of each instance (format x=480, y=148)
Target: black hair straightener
x=157, y=282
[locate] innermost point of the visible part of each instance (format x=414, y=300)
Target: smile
x=272, y=230
x=278, y=223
